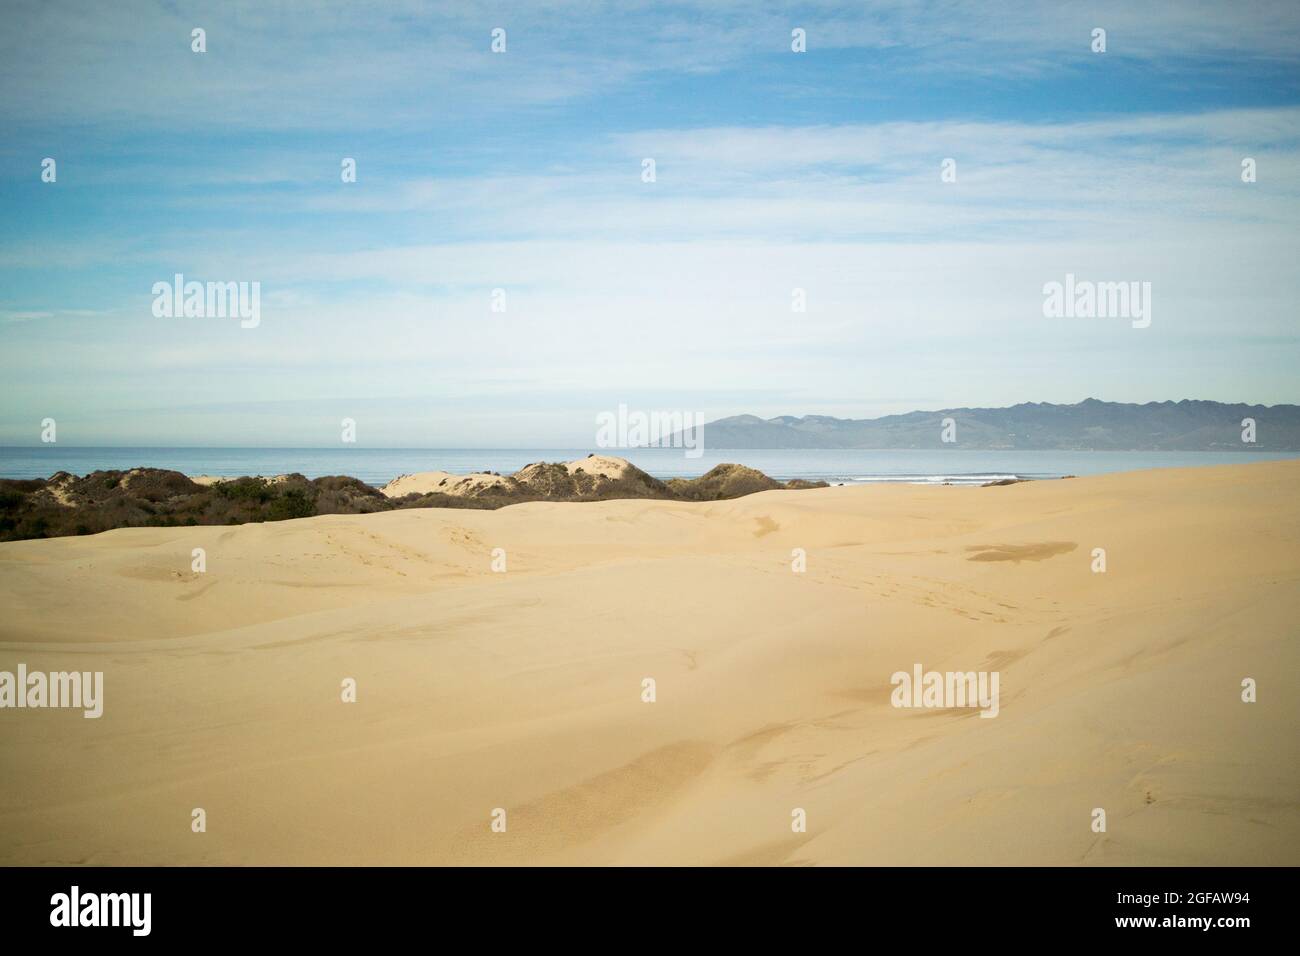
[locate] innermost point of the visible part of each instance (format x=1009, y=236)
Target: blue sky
x=521, y=171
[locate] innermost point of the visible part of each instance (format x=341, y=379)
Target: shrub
x=292, y=504
x=245, y=489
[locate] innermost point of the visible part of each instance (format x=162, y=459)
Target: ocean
x=377, y=466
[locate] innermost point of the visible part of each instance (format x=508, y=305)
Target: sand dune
x=608, y=466
x=208, y=480
x=531, y=477
x=423, y=482
x=522, y=690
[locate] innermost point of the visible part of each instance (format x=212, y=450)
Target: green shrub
x=245, y=489
x=292, y=504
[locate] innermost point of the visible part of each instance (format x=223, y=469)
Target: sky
x=522, y=171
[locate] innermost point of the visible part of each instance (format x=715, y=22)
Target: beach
x=499, y=660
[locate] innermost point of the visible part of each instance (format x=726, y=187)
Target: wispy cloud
x=522, y=172
x=350, y=65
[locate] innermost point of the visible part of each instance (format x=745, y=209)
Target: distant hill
x=1089, y=425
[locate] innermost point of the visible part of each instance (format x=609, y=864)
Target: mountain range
x=1094, y=425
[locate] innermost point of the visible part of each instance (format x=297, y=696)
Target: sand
x=607, y=466
x=207, y=480
x=522, y=689
x=423, y=482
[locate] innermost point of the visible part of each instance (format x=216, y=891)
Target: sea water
x=377, y=466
